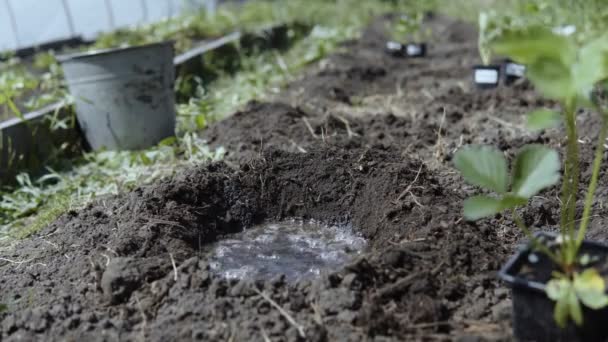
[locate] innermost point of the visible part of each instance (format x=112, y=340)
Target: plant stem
x=571, y=176
x=535, y=243
x=597, y=163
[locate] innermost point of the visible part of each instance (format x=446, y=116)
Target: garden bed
x=362, y=138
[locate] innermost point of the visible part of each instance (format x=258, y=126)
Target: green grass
x=35, y=203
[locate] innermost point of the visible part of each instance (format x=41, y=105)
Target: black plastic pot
x=513, y=71
x=533, y=310
x=486, y=76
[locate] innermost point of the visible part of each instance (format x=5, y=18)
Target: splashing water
x=296, y=249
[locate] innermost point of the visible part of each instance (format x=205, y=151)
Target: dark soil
x=362, y=138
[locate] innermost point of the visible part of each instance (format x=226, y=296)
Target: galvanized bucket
x=124, y=97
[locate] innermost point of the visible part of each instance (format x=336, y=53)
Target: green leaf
x=512, y=201
x=536, y=167
x=548, y=57
x=529, y=45
x=201, y=121
x=483, y=166
x=169, y=141
x=3, y=308
x=593, y=300
x=589, y=280
x=590, y=289
x=552, y=77
x=543, y=119
x=557, y=288
x=478, y=207
x=145, y=159
x=561, y=312
x=575, y=308
x=14, y=109
x=592, y=65
x=560, y=290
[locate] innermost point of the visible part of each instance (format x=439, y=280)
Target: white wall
x=7, y=40
x=40, y=21
x=90, y=17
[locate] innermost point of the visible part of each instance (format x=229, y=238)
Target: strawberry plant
x=409, y=27
x=565, y=69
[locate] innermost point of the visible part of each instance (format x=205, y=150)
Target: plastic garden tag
x=486, y=76
x=513, y=71
x=394, y=48
x=415, y=50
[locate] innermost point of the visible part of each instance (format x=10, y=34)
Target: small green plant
x=409, y=28
x=15, y=81
x=567, y=70
x=486, y=30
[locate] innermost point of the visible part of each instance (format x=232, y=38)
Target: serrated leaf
x=483, y=166
x=529, y=45
x=590, y=288
x=552, y=77
x=592, y=65
x=543, y=119
x=593, y=300
x=478, y=207
x=589, y=280
x=536, y=167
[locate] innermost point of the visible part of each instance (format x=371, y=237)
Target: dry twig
x=285, y=314
x=174, y=266
x=264, y=334
x=310, y=129
x=409, y=187
x=439, y=151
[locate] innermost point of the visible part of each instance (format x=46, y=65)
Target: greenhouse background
x=26, y=23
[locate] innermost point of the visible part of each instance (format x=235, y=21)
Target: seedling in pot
x=486, y=76
x=567, y=71
x=408, y=28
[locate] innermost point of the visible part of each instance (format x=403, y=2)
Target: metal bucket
x=124, y=97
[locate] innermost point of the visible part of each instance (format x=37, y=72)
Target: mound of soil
x=362, y=138
x=108, y=269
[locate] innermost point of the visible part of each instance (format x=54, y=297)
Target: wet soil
x=363, y=139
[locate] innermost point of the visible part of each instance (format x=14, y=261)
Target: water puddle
x=297, y=249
